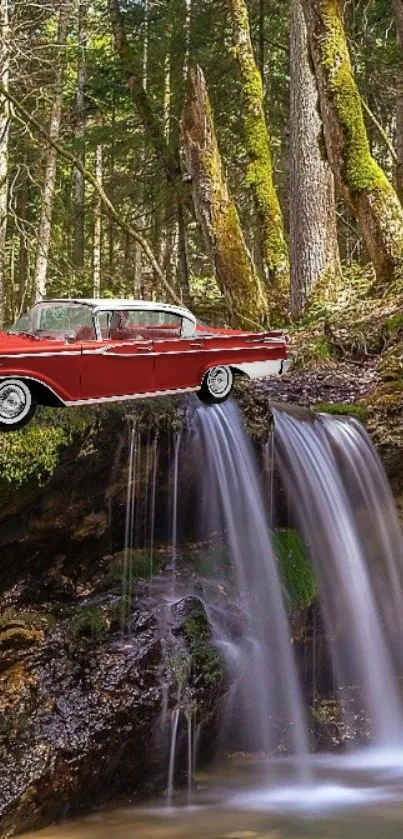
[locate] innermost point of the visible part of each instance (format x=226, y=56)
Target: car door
x=177, y=358
x=119, y=366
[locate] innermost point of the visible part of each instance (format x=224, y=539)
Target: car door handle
x=197, y=344
x=116, y=350
x=144, y=345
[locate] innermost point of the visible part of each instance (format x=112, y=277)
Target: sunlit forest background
x=171, y=149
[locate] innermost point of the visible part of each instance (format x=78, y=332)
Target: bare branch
x=89, y=177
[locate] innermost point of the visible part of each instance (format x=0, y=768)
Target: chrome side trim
x=175, y=352
x=132, y=396
x=40, y=354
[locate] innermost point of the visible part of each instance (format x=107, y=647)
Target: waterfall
x=265, y=695
x=338, y=498
x=345, y=511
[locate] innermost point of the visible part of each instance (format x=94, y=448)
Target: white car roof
x=106, y=304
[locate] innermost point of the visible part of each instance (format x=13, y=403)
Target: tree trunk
x=259, y=171
x=262, y=40
x=371, y=197
x=48, y=192
x=5, y=116
x=22, y=211
x=217, y=213
x=79, y=202
x=97, y=241
x=398, y=10
x=150, y=122
x=313, y=223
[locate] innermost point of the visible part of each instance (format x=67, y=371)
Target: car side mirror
x=70, y=337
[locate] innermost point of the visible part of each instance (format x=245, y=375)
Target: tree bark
x=48, y=191
x=216, y=212
x=313, y=222
x=97, y=241
x=5, y=116
x=398, y=11
x=259, y=174
x=79, y=202
x=372, y=199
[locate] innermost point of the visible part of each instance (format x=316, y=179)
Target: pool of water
x=356, y=797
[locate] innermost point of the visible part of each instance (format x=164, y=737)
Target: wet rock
x=81, y=710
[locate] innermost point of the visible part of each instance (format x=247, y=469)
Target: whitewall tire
x=17, y=404
x=217, y=385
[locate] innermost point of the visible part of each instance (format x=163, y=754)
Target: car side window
x=140, y=324
x=60, y=320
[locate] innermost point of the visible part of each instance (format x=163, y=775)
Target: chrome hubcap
x=13, y=402
x=219, y=381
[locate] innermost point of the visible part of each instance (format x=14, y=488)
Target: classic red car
x=80, y=352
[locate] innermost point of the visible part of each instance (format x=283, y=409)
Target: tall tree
x=5, y=116
x=217, y=213
x=398, y=11
x=371, y=197
x=259, y=170
x=79, y=197
x=313, y=221
x=48, y=192
x=97, y=240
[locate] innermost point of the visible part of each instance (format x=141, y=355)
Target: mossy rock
x=196, y=631
x=296, y=571
x=339, y=409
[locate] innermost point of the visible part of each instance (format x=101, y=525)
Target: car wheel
x=17, y=404
x=217, y=385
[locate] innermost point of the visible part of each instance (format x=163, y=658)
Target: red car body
x=81, y=352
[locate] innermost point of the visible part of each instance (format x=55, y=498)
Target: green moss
x=340, y=409
x=136, y=564
x=296, y=571
x=90, y=623
x=361, y=170
x=204, y=657
x=259, y=174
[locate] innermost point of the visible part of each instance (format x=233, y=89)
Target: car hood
x=14, y=341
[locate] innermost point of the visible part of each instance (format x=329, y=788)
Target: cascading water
x=265, y=689
x=340, y=495
x=338, y=492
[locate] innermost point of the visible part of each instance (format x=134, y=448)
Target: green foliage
x=339, y=409
x=136, y=564
x=90, y=623
x=32, y=454
x=296, y=570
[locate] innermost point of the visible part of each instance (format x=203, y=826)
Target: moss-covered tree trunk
x=397, y=6
x=313, y=224
x=358, y=176
x=216, y=211
x=257, y=141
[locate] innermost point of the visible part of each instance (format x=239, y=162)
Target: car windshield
x=58, y=321
x=21, y=325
